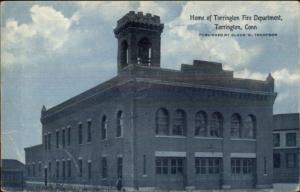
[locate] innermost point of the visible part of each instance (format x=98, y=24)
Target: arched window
x=120, y=123
x=250, y=127
x=216, y=127
x=144, y=52
x=179, y=122
x=104, y=127
x=124, y=54
x=201, y=124
x=236, y=126
x=162, y=122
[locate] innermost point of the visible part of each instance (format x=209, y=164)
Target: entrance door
x=208, y=172
x=170, y=173
x=46, y=176
x=243, y=172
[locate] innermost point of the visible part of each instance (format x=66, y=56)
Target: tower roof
x=139, y=19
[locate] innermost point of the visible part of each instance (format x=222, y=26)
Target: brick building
x=197, y=127
x=12, y=174
x=286, y=148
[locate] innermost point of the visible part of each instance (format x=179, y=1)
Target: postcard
x=150, y=96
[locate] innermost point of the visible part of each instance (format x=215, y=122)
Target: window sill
x=199, y=137
x=144, y=175
x=171, y=136
x=242, y=174
x=285, y=147
x=242, y=139
x=119, y=137
x=89, y=142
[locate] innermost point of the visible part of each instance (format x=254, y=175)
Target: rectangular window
x=57, y=139
x=40, y=169
x=28, y=170
x=104, y=128
x=276, y=160
x=119, y=167
x=242, y=165
x=45, y=142
x=248, y=166
x=179, y=165
x=80, y=167
x=89, y=131
x=173, y=166
x=89, y=170
x=265, y=165
x=33, y=170
x=245, y=166
x=207, y=165
x=291, y=160
x=57, y=169
x=49, y=168
x=104, y=167
x=217, y=165
x=197, y=165
x=80, y=133
x=276, y=140
x=120, y=123
x=203, y=166
x=290, y=139
x=162, y=165
x=49, y=141
x=165, y=165
x=69, y=136
x=64, y=169
x=210, y=165
x=63, y=138
x=144, y=165
x=238, y=166
x=158, y=165
x=69, y=168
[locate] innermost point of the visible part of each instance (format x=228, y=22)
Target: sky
x=51, y=51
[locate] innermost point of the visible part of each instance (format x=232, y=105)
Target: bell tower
x=138, y=40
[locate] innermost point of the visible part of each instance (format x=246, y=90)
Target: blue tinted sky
x=51, y=51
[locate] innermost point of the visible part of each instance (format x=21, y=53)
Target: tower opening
x=144, y=52
x=124, y=54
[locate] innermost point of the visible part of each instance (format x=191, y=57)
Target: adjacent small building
x=12, y=173
x=34, y=169
x=286, y=148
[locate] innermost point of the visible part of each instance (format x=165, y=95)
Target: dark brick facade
x=156, y=110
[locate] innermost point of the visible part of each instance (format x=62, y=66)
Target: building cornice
x=208, y=87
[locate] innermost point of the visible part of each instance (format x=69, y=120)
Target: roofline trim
x=203, y=86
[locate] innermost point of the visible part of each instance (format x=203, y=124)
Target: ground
x=278, y=187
